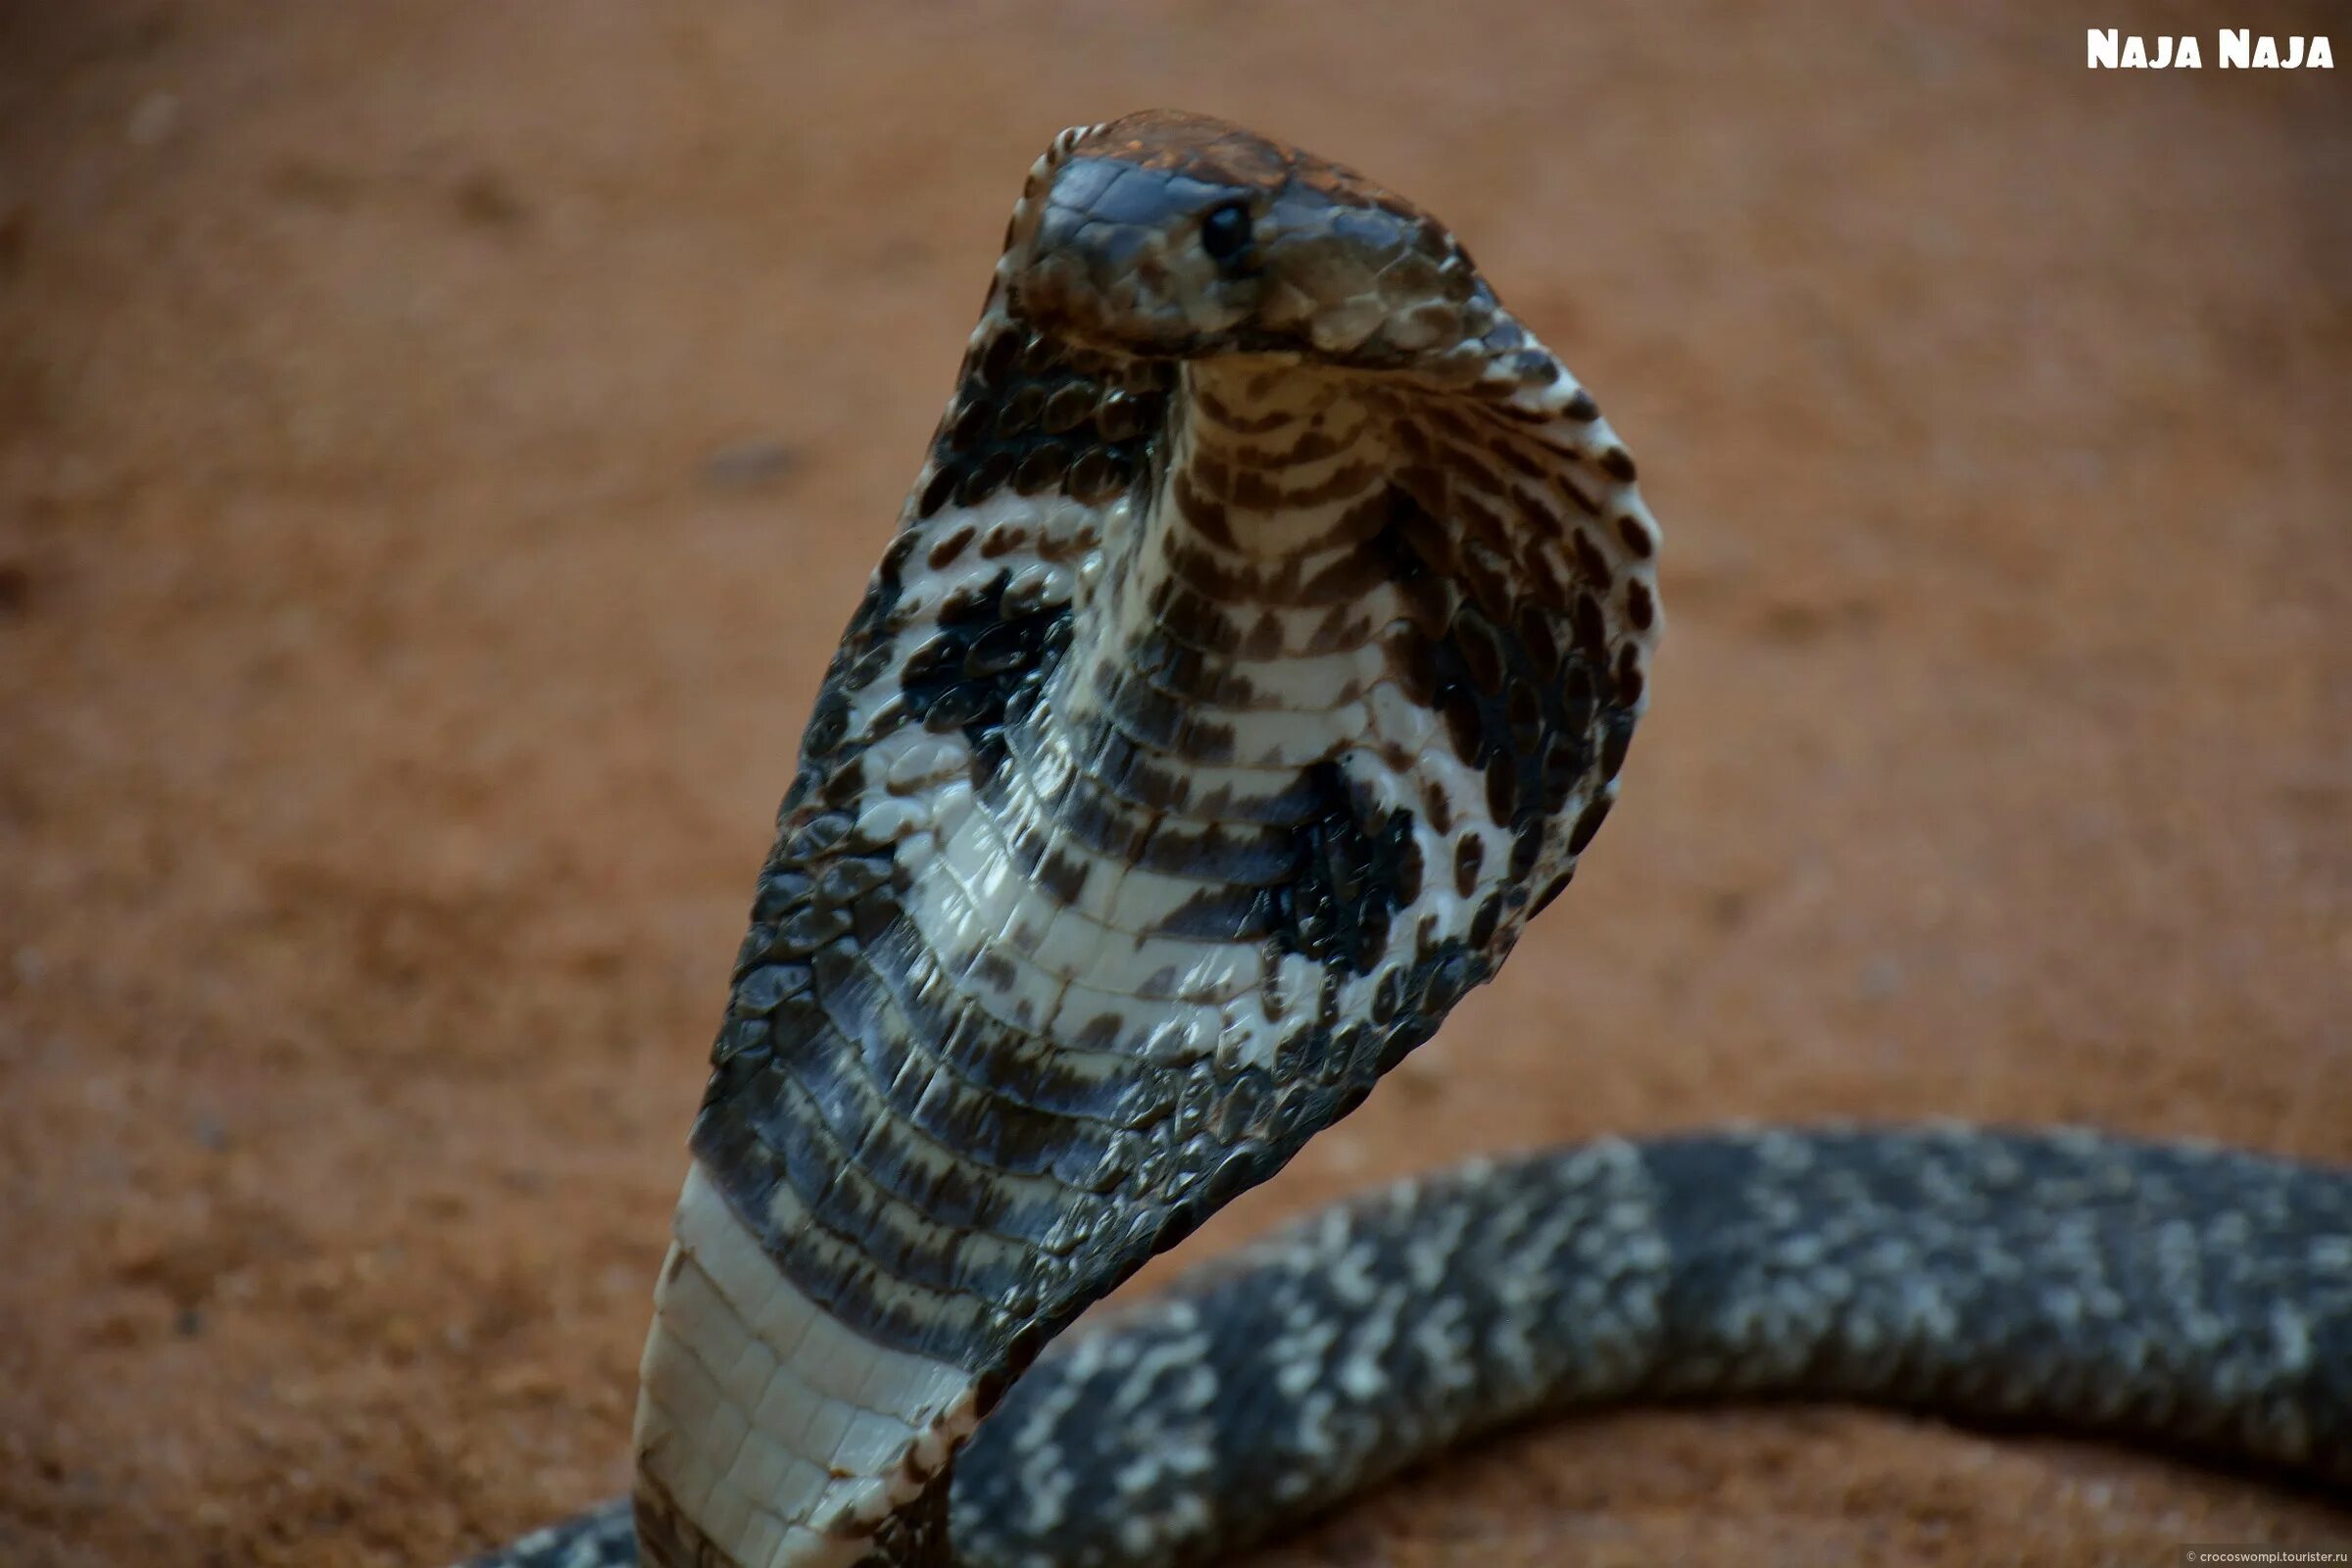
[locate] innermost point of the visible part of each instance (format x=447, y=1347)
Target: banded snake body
x=1260, y=648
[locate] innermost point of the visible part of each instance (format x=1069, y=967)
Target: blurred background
x=440, y=443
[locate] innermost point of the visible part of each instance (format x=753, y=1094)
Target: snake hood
x=1258, y=650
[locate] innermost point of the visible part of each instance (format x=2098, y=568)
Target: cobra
x=1258, y=650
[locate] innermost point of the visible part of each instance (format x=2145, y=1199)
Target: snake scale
x=1259, y=649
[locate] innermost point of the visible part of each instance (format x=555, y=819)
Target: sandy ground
x=439, y=443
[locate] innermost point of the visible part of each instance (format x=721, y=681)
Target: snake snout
x=1117, y=259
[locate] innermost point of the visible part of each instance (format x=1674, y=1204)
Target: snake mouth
x=1133, y=313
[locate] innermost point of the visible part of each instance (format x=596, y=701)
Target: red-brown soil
x=440, y=441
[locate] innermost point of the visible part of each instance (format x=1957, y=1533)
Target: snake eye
x=1225, y=231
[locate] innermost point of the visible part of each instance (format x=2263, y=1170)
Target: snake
x=1258, y=650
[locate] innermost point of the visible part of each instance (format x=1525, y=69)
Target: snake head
x=1166, y=235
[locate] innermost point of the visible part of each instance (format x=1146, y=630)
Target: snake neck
x=1232, y=633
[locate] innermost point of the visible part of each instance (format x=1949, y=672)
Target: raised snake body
x=1260, y=648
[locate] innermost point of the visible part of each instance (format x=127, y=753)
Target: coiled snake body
x=1258, y=650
